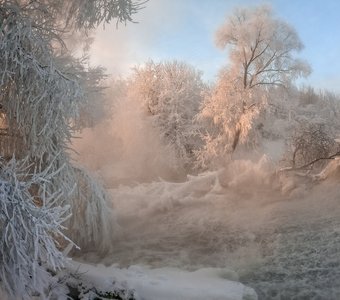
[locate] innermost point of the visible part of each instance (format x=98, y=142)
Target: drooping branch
x=306, y=166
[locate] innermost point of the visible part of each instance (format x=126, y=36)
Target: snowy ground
x=279, y=235
x=163, y=283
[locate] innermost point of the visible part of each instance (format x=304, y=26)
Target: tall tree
x=44, y=91
x=261, y=48
x=261, y=51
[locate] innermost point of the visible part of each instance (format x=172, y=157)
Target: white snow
x=166, y=283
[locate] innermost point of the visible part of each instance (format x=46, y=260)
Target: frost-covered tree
x=261, y=55
x=261, y=48
x=171, y=93
x=45, y=93
x=31, y=229
x=321, y=106
x=312, y=128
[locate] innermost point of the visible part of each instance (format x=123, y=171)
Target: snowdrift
x=162, y=283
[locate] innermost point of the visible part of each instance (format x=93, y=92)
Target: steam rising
x=248, y=217
x=126, y=148
x=278, y=232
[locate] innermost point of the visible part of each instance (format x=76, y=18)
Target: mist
x=189, y=150
x=272, y=223
x=126, y=148
x=248, y=217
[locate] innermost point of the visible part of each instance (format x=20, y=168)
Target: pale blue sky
x=184, y=30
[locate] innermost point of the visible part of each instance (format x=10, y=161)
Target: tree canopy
x=261, y=48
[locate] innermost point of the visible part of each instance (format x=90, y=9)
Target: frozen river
x=280, y=236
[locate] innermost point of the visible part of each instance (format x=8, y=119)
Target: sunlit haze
x=192, y=154
x=184, y=30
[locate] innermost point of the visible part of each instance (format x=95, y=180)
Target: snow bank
x=165, y=283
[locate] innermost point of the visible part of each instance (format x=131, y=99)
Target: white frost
x=167, y=283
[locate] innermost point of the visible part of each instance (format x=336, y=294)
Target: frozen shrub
x=31, y=228
x=309, y=143
x=94, y=224
x=171, y=93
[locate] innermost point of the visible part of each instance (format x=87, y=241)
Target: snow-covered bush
x=171, y=93
x=94, y=225
x=309, y=144
x=31, y=230
x=305, y=120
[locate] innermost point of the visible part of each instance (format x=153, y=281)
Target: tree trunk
x=236, y=138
